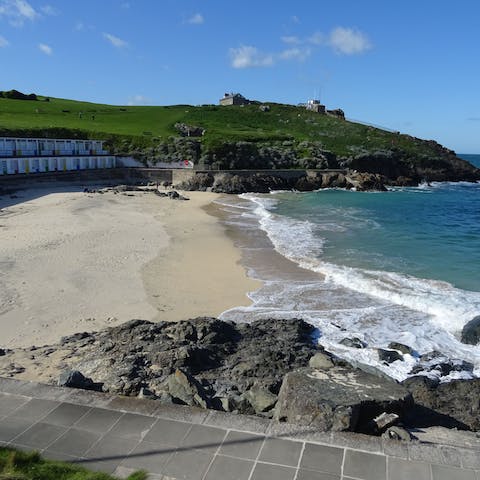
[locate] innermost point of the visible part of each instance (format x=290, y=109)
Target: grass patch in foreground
x=16, y=465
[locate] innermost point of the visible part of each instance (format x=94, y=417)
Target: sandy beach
x=73, y=261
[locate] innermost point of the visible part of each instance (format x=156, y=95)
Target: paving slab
x=322, y=458
x=98, y=420
x=242, y=445
x=206, y=439
x=169, y=432
x=188, y=464
x=399, y=469
x=9, y=403
x=266, y=471
x=313, y=475
x=74, y=442
x=229, y=468
x=365, y=466
x=40, y=435
x=148, y=456
x=442, y=472
x=66, y=414
x=283, y=452
x=35, y=409
x=10, y=427
x=132, y=425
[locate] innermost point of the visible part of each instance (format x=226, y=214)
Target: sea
x=373, y=267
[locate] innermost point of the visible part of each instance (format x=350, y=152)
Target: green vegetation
x=15, y=465
x=145, y=126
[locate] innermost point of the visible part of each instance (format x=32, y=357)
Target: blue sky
x=411, y=66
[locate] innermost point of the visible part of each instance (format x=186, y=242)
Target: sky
x=411, y=66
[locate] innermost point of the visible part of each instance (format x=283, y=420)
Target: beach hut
x=101, y=162
x=34, y=165
x=12, y=166
x=46, y=147
x=23, y=165
x=83, y=163
x=52, y=164
x=93, y=162
x=7, y=147
x=42, y=164
x=3, y=166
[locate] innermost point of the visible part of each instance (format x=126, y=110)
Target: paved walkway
x=119, y=435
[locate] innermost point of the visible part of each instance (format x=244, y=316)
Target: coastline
x=75, y=261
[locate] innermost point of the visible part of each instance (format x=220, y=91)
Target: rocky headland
x=271, y=368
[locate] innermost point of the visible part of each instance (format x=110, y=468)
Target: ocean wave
x=449, y=307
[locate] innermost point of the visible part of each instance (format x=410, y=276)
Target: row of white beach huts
x=37, y=155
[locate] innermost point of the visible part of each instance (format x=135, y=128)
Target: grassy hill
x=284, y=136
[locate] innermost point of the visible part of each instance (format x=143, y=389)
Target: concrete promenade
x=119, y=435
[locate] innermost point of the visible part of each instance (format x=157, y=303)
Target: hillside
x=285, y=136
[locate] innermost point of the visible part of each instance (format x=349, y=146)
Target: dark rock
x=400, y=347
x=388, y=356
x=75, y=379
x=353, y=342
x=184, y=388
x=338, y=399
x=471, y=332
x=189, y=130
x=453, y=404
x=199, y=182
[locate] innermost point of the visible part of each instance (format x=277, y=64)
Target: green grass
x=16, y=465
x=147, y=125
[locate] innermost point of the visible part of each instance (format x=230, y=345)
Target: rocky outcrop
x=455, y=404
x=471, y=332
x=338, y=398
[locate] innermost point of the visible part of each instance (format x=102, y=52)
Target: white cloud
x=247, y=56
x=318, y=38
x=291, y=40
x=49, y=10
x=4, y=42
x=138, y=100
x=17, y=12
x=196, y=19
x=46, y=49
x=349, y=41
x=300, y=54
x=295, y=19
x=115, y=41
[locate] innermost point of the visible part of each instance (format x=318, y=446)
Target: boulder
x=75, y=379
x=471, y=332
x=321, y=361
x=455, y=404
x=353, y=342
x=389, y=356
x=339, y=399
x=261, y=399
x=184, y=387
x=401, y=348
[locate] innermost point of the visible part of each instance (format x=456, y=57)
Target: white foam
x=376, y=306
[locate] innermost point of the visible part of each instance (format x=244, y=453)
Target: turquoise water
x=429, y=232
x=402, y=265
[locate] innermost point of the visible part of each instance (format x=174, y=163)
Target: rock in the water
x=405, y=349
x=389, y=356
x=353, y=342
x=321, y=361
x=75, y=379
x=338, y=399
x=471, y=332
